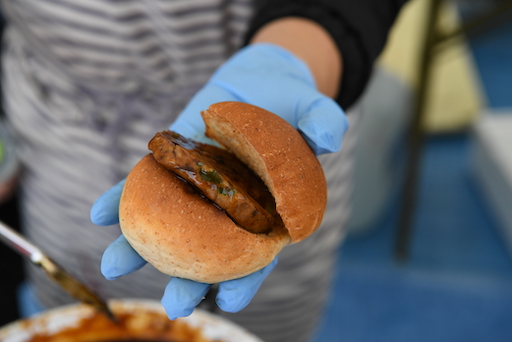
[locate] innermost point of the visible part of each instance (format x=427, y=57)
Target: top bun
x=279, y=155
x=182, y=234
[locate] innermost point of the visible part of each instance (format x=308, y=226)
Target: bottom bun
x=184, y=235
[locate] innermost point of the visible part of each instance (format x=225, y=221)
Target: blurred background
x=428, y=256
x=439, y=269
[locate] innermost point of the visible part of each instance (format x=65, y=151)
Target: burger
x=212, y=213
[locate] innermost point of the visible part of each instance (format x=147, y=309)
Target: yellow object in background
x=455, y=96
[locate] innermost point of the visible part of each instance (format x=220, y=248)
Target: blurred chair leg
x=416, y=135
x=432, y=43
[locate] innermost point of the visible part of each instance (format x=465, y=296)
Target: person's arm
x=359, y=30
x=310, y=42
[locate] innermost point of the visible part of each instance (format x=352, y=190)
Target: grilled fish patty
x=219, y=176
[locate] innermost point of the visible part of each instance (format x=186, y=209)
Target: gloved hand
x=273, y=79
x=263, y=75
x=181, y=296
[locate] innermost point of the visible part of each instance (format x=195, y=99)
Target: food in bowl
x=138, y=321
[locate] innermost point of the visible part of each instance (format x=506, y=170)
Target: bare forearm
x=311, y=43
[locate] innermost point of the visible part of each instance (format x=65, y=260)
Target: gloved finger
x=181, y=296
x=120, y=259
x=234, y=295
x=323, y=125
x=105, y=211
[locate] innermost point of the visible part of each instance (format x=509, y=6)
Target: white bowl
x=55, y=325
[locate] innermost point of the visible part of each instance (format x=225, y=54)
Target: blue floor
x=457, y=284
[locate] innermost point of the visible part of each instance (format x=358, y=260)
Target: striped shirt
x=87, y=83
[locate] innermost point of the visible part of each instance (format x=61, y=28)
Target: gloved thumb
x=323, y=126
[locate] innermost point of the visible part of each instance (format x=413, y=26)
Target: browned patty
x=220, y=176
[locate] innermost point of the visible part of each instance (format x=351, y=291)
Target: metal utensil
x=70, y=284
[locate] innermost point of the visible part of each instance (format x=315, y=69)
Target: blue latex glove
x=263, y=75
x=271, y=78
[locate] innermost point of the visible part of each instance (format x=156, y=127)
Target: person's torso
x=129, y=44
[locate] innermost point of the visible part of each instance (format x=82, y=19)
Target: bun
x=184, y=235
